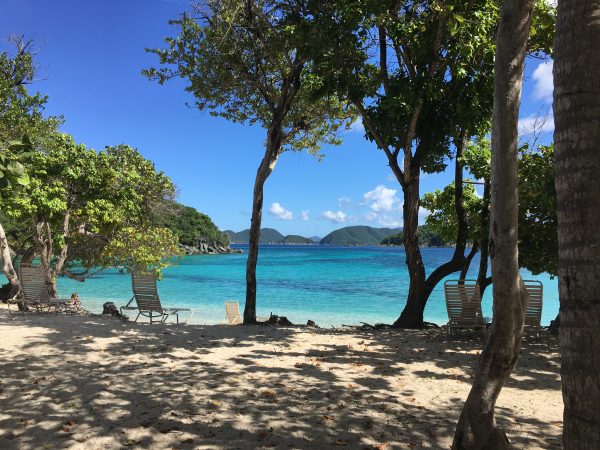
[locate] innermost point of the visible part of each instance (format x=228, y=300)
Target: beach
x=91, y=382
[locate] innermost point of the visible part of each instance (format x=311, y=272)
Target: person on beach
x=75, y=302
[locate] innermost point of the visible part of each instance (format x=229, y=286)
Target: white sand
x=91, y=383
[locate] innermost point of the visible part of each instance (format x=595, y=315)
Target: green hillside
x=295, y=239
x=267, y=236
x=427, y=238
x=358, y=235
x=191, y=226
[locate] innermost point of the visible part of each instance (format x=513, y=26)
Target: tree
x=20, y=117
x=538, y=250
x=419, y=73
x=577, y=142
x=79, y=204
x=21, y=112
x=248, y=62
x=477, y=428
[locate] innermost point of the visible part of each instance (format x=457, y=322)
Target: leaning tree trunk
x=412, y=314
x=7, y=267
x=577, y=153
x=264, y=170
x=420, y=288
x=477, y=428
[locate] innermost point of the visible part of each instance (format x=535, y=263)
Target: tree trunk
x=420, y=288
x=7, y=267
x=477, y=428
x=482, y=278
x=577, y=156
x=412, y=314
x=470, y=256
x=264, y=170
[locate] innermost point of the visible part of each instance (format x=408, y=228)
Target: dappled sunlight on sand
x=88, y=382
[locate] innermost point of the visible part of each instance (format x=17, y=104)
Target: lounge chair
x=35, y=292
x=232, y=312
x=147, y=302
x=533, y=313
x=233, y=316
x=464, y=305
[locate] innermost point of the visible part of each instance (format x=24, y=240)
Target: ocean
x=330, y=285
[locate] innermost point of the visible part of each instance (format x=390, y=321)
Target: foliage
x=427, y=238
x=538, y=238
x=538, y=244
x=20, y=112
x=246, y=63
x=191, y=227
x=442, y=218
x=78, y=200
x=267, y=236
x=141, y=250
x=11, y=170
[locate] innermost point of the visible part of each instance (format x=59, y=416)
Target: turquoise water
x=328, y=284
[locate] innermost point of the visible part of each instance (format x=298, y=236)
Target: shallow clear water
x=328, y=284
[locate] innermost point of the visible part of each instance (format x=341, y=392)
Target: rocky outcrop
x=208, y=249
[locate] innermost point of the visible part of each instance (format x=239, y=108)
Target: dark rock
x=278, y=320
x=110, y=309
x=311, y=323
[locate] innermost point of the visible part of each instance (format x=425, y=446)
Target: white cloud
x=390, y=222
x=357, y=126
x=423, y=213
x=536, y=124
x=304, y=215
x=370, y=216
x=344, y=201
x=544, y=84
x=280, y=212
x=381, y=198
x=335, y=217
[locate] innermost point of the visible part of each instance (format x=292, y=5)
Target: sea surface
x=328, y=284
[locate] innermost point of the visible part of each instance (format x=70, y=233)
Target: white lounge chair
x=145, y=296
x=232, y=312
x=233, y=316
x=533, y=313
x=464, y=305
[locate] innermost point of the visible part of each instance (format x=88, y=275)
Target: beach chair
x=233, y=316
x=463, y=305
x=232, y=312
x=533, y=313
x=35, y=292
x=146, y=302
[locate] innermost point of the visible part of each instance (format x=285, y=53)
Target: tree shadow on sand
x=88, y=382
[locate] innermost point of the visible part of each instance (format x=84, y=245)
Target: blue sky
x=90, y=55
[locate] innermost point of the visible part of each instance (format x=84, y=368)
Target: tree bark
x=477, y=428
x=7, y=267
x=482, y=278
x=267, y=165
x=420, y=287
x=577, y=159
x=468, y=260
x=412, y=314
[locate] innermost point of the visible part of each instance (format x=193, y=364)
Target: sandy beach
x=87, y=382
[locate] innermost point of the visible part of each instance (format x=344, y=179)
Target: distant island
x=268, y=236
x=354, y=235
x=358, y=235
